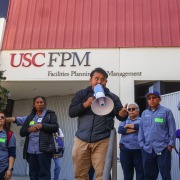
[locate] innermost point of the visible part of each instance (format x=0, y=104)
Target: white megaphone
x=102, y=105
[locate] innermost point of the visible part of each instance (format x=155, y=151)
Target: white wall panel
x=2, y=27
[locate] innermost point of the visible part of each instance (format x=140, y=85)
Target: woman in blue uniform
x=7, y=149
x=39, y=144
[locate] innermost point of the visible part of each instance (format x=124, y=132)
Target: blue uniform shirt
x=157, y=129
x=4, y=155
x=20, y=120
x=130, y=141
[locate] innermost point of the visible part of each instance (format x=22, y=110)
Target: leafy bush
x=4, y=93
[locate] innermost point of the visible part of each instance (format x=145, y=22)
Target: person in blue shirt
x=7, y=149
x=178, y=135
x=130, y=151
x=156, y=138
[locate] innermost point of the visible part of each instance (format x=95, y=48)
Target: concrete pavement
x=15, y=177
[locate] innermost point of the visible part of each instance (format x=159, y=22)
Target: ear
x=90, y=80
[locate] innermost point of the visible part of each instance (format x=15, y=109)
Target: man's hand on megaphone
x=88, y=102
x=123, y=111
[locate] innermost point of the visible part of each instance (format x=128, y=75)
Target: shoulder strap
x=9, y=134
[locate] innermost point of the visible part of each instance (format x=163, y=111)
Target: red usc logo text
x=27, y=59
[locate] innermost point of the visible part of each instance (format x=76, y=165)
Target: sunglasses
x=153, y=97
x=131, y=109
x=2, y=117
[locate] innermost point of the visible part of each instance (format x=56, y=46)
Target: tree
x=4, y=93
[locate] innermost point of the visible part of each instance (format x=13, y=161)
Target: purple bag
x=59, y=146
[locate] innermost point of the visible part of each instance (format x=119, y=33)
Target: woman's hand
x=38, y=126
x=35, y=128
x=8, y=174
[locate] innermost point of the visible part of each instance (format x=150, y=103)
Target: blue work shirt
x=157, y=129
x=4, y=154
x=33, y=146
x=20, y=120
x=130, y=140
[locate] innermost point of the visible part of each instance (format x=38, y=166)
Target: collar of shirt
x=154, y=109
x=133, y=119
x=42, y=115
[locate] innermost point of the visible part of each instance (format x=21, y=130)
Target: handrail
x=111, y=157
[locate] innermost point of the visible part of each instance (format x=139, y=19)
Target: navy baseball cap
x=156, y=93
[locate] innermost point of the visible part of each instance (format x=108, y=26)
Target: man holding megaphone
x=96, y=107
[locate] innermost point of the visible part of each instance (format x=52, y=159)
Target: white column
x=2, y=28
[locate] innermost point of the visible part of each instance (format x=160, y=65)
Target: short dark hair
x=99, y=70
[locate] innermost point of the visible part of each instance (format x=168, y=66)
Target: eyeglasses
x=153, y=97
x=2, y=117
x=131, y=109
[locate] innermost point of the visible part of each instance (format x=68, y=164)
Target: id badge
x=39, y=120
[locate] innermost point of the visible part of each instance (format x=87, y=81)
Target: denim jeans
x=57, y=168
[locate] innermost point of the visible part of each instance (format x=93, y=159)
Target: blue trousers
x=57, y=168
x=39, y=166
x=154, y=163
x=130, y=159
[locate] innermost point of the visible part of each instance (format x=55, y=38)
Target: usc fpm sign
x=51, y=59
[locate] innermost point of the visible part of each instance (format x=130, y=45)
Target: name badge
x=40, y=119
x=160, y=120
x=2, y=140
x=31, y=123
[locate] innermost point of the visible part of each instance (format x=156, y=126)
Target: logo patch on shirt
x=160, y=120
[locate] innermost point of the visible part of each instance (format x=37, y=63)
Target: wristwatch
x=11, y=169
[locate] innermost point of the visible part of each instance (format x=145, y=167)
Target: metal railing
x=111, y=157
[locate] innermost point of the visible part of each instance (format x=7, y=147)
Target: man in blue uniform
x=157, y=138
